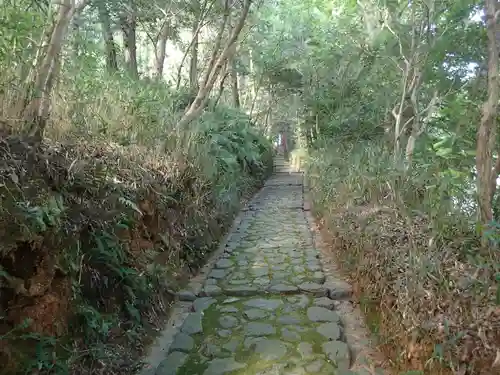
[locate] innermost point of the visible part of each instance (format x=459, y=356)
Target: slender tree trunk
x=161, y=49
x=37, y=111
x=193, y=65
x=195, y=38
x=234, y=84
x=486, y=135
x=128, y=25
x=217, y=44
x=199, y=103
x=221, y=85
x=255, y=93
x=107, y=35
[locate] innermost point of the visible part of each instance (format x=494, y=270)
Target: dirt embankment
x=93, y=240
x=433, y=308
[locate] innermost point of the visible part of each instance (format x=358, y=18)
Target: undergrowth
x=408, y=242
x=98, y=228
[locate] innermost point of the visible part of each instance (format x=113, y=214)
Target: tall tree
x=128, y=24
x=215, y=65
x=37, y=110
x=107, y=34
x=487, y=172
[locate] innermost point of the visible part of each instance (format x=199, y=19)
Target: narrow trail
x=265, y=307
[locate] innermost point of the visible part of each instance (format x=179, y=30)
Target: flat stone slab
x=172, y=364
x=193, y=324
x=182, y=343
x=259, y=333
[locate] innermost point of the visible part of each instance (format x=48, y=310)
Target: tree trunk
x=107, y=35
x=218, y=41
x=161, y=49
x=234, y=84
x=193, y=65
x=199, y=103
x=128, y=24
x=486, y=135
x=221, y=84
x=195, y=39
x=37, y=110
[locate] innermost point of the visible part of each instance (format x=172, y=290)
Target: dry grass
x=99, y=226
x=430, y=295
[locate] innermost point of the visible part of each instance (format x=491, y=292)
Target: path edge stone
x=362, y=354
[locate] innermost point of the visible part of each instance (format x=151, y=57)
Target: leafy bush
x=98, y=230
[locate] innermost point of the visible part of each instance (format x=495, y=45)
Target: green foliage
x=77, y=204
x=366, y=67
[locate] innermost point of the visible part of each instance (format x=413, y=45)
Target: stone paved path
x=264, y=308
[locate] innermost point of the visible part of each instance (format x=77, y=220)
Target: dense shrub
x=428, y=289
x=98, y=227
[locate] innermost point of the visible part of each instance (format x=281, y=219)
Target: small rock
x=303, y=302
x=313, y=266
x=313, y=288
x=325, y=302
x=283, y=288
x=217, y=274
x=182, y=343
x=275, y=369
x=211, y=281
x=289, y=335
x=230, y=300
x=315, y=367
x=239, y=275
x=220, y=366
x=186, y=295
x=299, y=269
x=297, y=371
x=264, y=304
x=280, y=276
x=338, y=289
x=239, y=282
x=254, y=314
x=298, y=328
x=211, y=290
x=270, y=350
x=201, y=304
x=338, y=353
x=171, y=364
x=249, y=341
x=305, y=349
x=318, y=277
x=242, y=290
x=296, y=280
x=288, y=319
x=259, y=272
x=331, y=331
x=224, y=332
x=228, y=309
x=210, y=350
x=320, y=314
x=280, y=267
x=261, y=281
x=232, y=345
x=192, y=325
x=228, y=321
x=223, y=263
x=259, y=329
